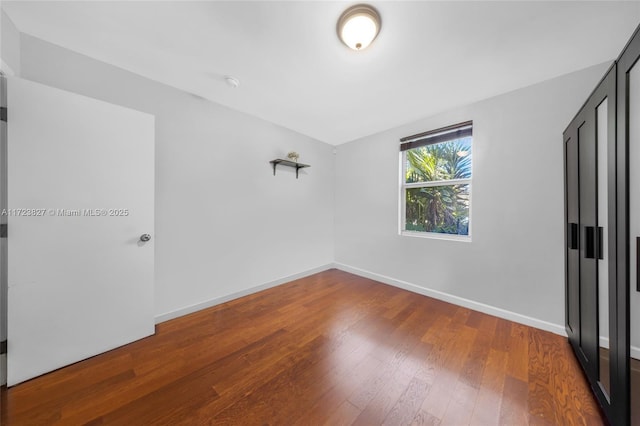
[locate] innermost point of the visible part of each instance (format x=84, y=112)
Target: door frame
x=4, y=288
x=627, y=59
x=606, y=90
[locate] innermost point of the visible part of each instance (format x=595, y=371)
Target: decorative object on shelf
x=288, y=163
x=293, y=156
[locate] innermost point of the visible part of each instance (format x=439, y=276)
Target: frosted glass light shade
x=358, y=26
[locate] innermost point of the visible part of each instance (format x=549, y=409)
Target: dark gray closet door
x=581, y=223
x=572, y=209
x=590, y=297
x=628, y=230
x=587, y=152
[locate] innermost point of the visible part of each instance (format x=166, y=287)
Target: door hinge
x=3, y=347
x=3, y=230
x=3, y=114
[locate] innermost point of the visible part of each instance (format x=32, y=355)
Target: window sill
x=436, y=236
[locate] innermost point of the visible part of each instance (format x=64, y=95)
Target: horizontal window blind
x=444, y=134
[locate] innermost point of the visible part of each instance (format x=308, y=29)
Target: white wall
x=515, y=261
x=224, y=223
x=9, y=46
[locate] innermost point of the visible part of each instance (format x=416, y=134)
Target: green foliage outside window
x=441, y=208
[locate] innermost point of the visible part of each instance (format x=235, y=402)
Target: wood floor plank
x=487, y=406
x=322, y=411
x=280, y=397
x=409, y=403
x=502, y=336
x=165, y=405
x=382, y=403
x=454, y=351
x=332, y=348
x=425, y=419
x=514, y=406
x=461, y=405
x=422, y=360
x=344, y=415
x=518, y=365
x=372, y=386
x=473, y=366
x=558, y=390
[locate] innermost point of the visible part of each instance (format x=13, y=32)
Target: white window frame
x=403, y=186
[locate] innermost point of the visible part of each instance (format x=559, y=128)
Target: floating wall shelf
x=287, y=163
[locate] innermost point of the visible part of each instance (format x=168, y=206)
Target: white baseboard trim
x=456, y=300
x=222, y=299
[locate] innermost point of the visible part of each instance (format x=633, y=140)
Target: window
x=435, y=196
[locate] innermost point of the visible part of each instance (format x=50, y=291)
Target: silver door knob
x=145, y=237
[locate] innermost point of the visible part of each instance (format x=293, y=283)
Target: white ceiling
x=293, y=70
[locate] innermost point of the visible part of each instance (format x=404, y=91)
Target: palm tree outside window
x=436, y=182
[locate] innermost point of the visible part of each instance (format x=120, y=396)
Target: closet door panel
x=573, y=237
x=603, y=107
x=587, y=155
x=627, y=380
x=602, y=124
x=591, y=301
x=633, y=93
x=629, y=182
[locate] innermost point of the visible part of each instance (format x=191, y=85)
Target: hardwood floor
x=332, y=349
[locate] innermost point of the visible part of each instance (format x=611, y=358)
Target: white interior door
x=80, y=194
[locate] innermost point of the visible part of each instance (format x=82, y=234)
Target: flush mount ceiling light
x=358, y=26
